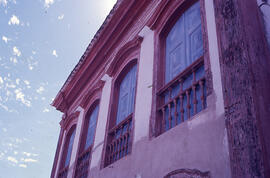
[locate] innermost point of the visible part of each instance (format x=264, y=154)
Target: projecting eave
x=97, y=52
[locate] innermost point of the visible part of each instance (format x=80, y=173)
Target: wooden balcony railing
x=63, y=173
x=119, y=142
x=82, y=164
x=183, y=97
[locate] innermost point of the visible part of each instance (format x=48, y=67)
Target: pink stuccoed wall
x=200, y=143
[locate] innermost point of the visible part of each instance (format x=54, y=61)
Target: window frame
x=127, y=56
x=69, y=131
x=89, y=102
x=86, y=124
x=95, y=102
x=162, y=22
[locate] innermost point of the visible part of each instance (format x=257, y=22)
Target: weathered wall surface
x=245, y=64
x=265, y=10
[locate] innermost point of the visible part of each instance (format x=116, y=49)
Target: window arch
x=122, y=109
x=66, y=156
x=87, y=141
x=181, y=83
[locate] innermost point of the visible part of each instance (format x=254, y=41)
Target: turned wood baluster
x=175, y=111
x=170, y=117
x=114, y=145
x=163, y=124
x=201, y=83
x=128, y=136
x=123, y=143
x=109, y=154
x=121, y=140
x=188, y=103
x=181, y=100
x=170, y=109
x=194, y=93
x=117, y=148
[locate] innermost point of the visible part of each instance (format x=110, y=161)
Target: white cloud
x=20, y=97
x=12, y=159
x=30, y=160
x=4, y=2
x=4, y=130
x=29, y=154
x=15, y=152
x=14, y=20
x=26, y=82
x=60, y=17
x=1, y=80
x=16, y=51
x=1, y=155
x=4, y=107
x=14, y=60
x=47, y=3
x=4, y=38
x=10, y=85
x=45, y=110
x=30, y=67
x=23, y=165
x=17, y=81
x=54, y=53
x=40, y=90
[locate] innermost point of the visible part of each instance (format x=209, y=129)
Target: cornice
x=67, y=121
x=118, y=22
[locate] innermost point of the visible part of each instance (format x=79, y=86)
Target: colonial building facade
x=170, y=89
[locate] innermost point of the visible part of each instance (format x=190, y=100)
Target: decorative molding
x=64, y=123
x=94, y=92
x=188, y=173
x=124, y=51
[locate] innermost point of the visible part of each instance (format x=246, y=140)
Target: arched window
x=119, y=134
x=126, y=95
x=183, y=92
x=67, y=153
x=87, y=142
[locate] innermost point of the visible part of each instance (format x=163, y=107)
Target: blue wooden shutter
x=70, y=144
x=91, y=128
x=126, y=95
x=184, y=42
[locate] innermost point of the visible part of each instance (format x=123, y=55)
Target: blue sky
x=40, y=43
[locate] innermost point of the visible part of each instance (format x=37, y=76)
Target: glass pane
x=126, y=95
x=70, y=144
x=91, y=128
x=184, y=42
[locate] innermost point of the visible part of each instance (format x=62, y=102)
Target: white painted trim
x=214, y=55
x=60, y=154
x=216, y=73
x=76, y=141
x=144, y=89
x=101, y=122
x=144, y=31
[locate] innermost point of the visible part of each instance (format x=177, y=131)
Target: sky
x=40, y=43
